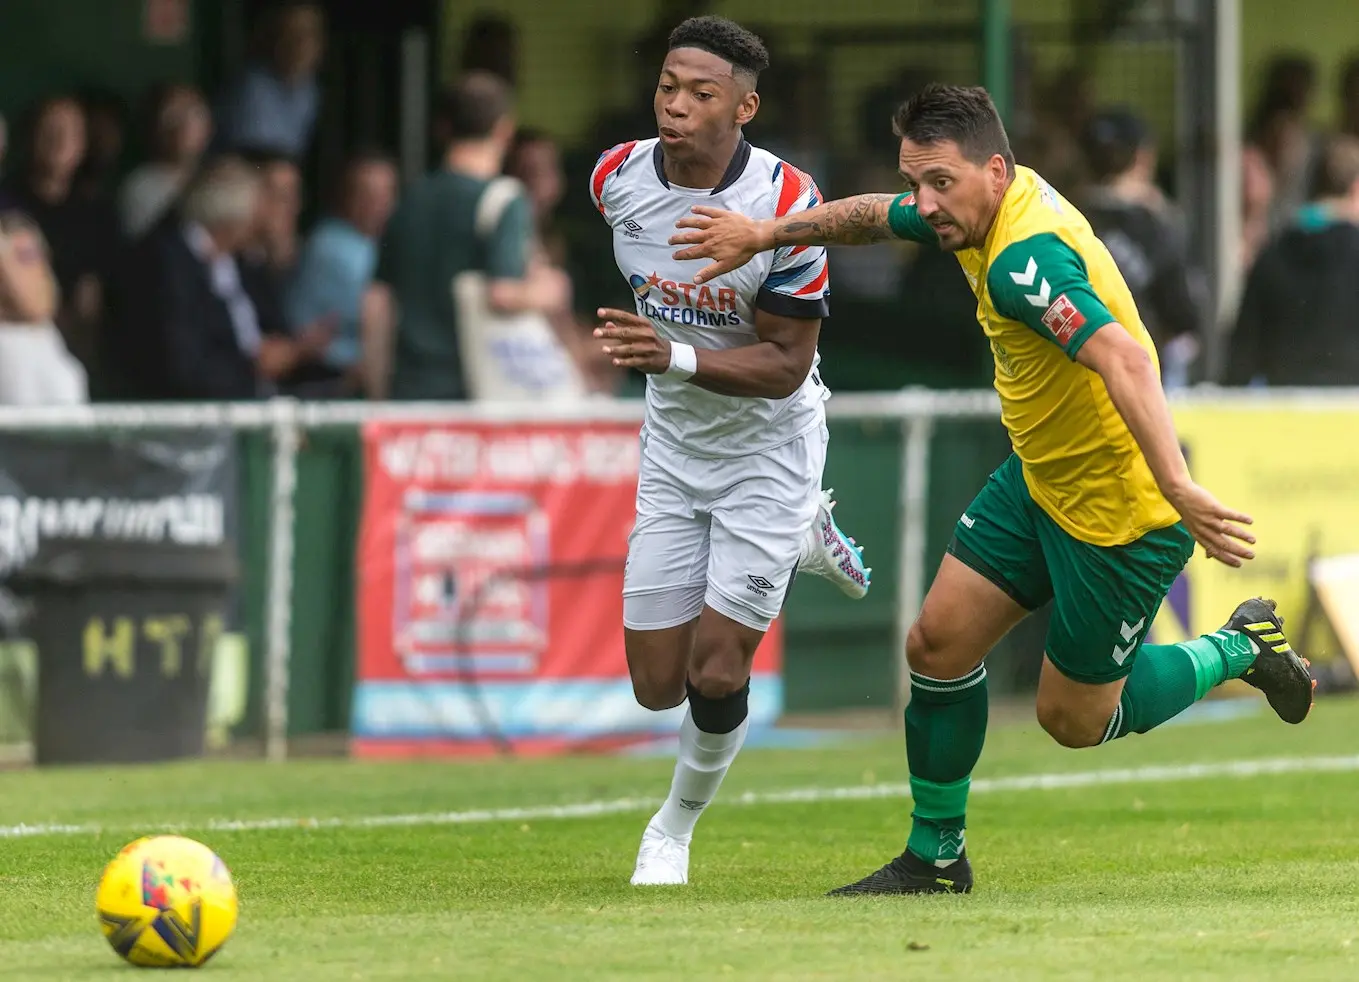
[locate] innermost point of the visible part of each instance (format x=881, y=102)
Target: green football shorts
x=1104, y=597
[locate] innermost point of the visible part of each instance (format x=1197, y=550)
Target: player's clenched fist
x=633, y=342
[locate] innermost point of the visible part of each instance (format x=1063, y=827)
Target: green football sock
x=1169, y=678
x=945, y=730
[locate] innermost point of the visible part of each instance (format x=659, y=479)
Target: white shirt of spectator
x=629, y=187
x=225, y=277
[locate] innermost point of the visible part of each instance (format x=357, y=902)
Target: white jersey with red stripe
x=630, y=189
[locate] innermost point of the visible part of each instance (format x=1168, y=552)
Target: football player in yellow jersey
x=1095, y=510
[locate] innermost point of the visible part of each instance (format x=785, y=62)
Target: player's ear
x=748, y=107
x=999, y=169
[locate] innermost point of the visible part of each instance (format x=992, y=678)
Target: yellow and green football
x=166, y=902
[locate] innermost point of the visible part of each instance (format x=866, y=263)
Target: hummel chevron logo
x=1026, y=278
x=1129, y=632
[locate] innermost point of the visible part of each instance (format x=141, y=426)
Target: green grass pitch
x=1146, y=876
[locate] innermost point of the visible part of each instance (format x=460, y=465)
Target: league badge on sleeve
x=1063, y=319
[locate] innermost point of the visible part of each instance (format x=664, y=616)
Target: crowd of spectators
x=187, y=277
x=1295, y=324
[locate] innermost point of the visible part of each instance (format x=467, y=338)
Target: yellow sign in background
x=1294, y=468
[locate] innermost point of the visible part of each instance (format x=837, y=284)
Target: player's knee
x=718, y=678
x=658, y=694
x=720, y=667
x=1070, y=729
x=657, y=662
x=657, y=676
x=927, y=654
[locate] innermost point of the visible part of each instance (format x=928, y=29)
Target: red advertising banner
x=490, y=575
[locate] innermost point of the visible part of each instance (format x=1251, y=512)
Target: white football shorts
x=722, y=532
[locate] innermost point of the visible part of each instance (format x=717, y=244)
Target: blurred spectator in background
x=81, y=233
x=433, y=238
x=337, y=264
x=106, y=126
x=916, y=288
x=1257, y=197
x=36, y=369
x=178, y=133
x=535, y=162
x=274, y=103
x=1145, y=234
x=1280, y=130
x=1296, y=324
x=490, y=44
x=186, y=328
x=274, y=244
x=1060, y=116
x=267, y=262
x=1349, y=96
x=876, y=272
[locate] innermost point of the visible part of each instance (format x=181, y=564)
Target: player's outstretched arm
x=1041, y=282
x=731, y=240
x=1135, y=389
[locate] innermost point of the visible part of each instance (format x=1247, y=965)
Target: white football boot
x=662, y=860
x=829, y=553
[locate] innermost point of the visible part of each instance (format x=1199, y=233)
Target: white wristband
x=683, y=360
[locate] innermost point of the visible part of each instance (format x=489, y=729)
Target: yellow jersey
x=1044, y=284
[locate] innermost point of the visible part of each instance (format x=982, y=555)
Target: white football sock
x=702, y=763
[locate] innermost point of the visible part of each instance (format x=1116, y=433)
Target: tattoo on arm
x=849, y=221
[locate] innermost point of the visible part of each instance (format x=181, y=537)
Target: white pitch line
x=592, y=809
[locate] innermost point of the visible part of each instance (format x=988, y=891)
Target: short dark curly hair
x=963, y=114
x=726, y=39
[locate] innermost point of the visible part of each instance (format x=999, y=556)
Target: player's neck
x=701, y=172
x=996, y=206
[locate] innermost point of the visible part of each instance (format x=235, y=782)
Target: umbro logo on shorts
x=631, y=229
x=758, y=584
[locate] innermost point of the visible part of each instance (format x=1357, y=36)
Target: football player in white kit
x=729, y=499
